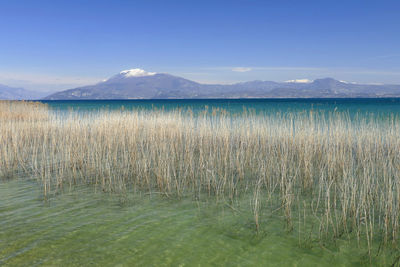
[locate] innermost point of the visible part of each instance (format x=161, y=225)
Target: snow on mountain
x=299, y=81
x=136, y=73
x=347, y=82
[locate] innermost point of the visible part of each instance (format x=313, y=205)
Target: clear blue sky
x=57, y=44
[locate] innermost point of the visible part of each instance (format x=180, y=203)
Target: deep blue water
x=364, y=106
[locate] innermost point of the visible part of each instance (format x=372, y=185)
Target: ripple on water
x=81, y=227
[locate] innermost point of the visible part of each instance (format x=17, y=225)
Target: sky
x=54, y=45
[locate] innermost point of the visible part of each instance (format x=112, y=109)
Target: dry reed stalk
x=347, y=171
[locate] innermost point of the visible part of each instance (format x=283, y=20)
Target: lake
x=382, y=106
x=82, y=226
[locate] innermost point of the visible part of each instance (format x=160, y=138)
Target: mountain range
x=139, y=84
x=13, y=93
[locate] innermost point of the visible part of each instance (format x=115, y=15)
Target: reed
x=336, y=176
x=22, y=111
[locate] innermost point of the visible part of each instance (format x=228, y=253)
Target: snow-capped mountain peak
x=299, y=81
x=347, y=82
x=136, y=73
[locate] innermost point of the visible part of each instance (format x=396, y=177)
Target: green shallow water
x=82, y=227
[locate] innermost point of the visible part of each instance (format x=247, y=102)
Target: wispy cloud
x=263, y=68
x=225, y=74
x=322, y=70
x=241, y=69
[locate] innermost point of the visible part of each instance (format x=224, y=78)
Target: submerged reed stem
x=343, y=172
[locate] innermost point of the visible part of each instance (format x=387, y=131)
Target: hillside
x=139, y=84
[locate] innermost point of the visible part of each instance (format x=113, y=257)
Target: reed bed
x=22, y=111
x=328, y=176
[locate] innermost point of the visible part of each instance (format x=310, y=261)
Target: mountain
x=12, y=93
x=139, y=84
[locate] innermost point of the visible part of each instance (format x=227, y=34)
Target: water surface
x=364, y=106
x=82, y=227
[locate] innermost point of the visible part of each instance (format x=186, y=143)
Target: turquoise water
x=381, y=106
x=81, y=227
